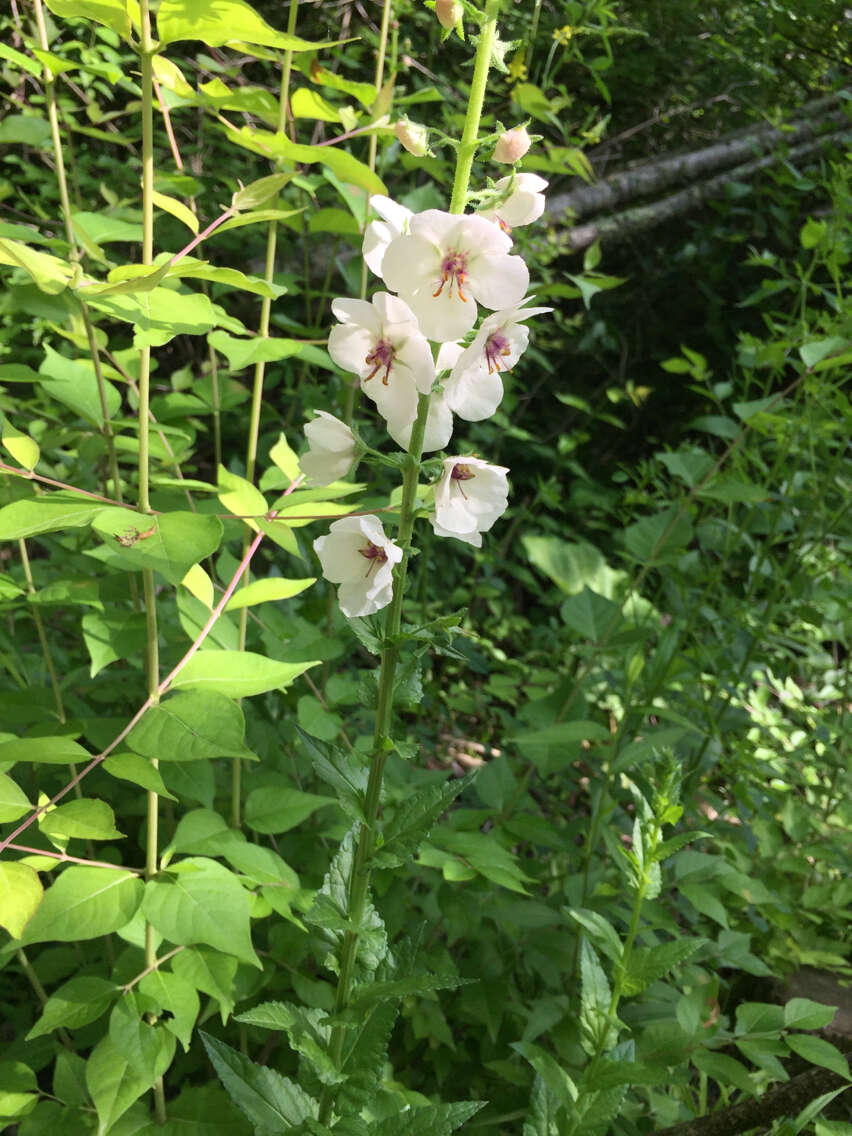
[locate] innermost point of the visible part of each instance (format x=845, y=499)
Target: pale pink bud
x=512, y=145
x=412, y=137
x=449, y=12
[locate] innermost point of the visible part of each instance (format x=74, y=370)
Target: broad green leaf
x=348, y=168
x=169, y=543
x=176, y=997
x=21, y=446
x=138, y=770
x=210, y=972
x=554, y=747
x=18, y=1090
x=50, y=512
x=765, y=1054
x=280, y=810
x=113, y=1081
x=73, y=383
x=45, y=751
x=430, y=1120
x=281, y=534
x=819, y=349
x=818, y=1051
x=242, y=353
x=85, y=819
x=285, y=458
x=160, y=314
x=76, y=1003
x=198, y=582
x=597, y=1030
x=485, y=854
x=139, y=277
x=238, y=674
x=200, y=901
x=18, y=59
x=108, y=637
x=49, y=273
x=365, y=93
x=316, y=720
x=571, y=566
x=177, y=209
x=20, y=895
x=258, y=217
x=660, y=538
x=191, y=726
x=257, y=193
x=726, y=1070
x=591, y=615
x=691, y=466
x=600, y=930
x=226, y=21
x=308, y=104
x=802, y=1013
x=266, y=591
x=13, y=801
x=271, y=1102
x=141, y=1043
x=239, y=496
x=112, y=13
x=105, y=229
x=297, y=516
x=307, y=1034
x=759, y=1017
x=85, y=903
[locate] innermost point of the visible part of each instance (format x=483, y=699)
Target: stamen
x=382, y=355
x=461, y=473
x=453, y=269
x=374, y=554
x=496, y=347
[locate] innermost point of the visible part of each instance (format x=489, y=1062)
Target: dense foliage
x=616, y=805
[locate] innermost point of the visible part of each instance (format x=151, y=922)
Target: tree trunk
x=654, y=176
x=623, y=225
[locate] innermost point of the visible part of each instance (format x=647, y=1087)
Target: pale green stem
x=42, y=637
x=359, y=879
x=259, y=372
x=146, y=50
x=349, y=401
x=74, y=252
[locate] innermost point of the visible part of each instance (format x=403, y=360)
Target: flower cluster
x=420, y=337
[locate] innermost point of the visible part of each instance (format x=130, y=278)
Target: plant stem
x=359, y=879
x=259, y=372
x=42, y=637
x=146, y=52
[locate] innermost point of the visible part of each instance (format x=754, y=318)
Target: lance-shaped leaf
x=271, y=1102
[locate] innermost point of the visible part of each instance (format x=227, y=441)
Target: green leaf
x=339, y=161
x=315, y=719
x=51, y=512
x=258, y=192
x=305, y=1030
x=104, y=229
x=309, y=104
x=20, y=895
x=647, y=964
x=158, y=315
x=85, y=819
x=141, y=1043
x=239, y=674
x=113, y=1081
x=18, y=59
x=73, y=383
x=412, y=821
x=398, y=988
x=49, y=273
x=21, y=446
x=483, y=852
x=549, y=1069
x=177, y=209
x=108, y=637
x=13, y=801
x=658, y=539
x=818, y=1051
x=430, y=1120
x=802, y=1013
x=726, y=1070
x=210, y=972
x=85, y=903
x=138, y=770
x=340, y=771
x=191, y=726
x=239, y=496
x=271, y=1102
x=267, y=591
x=169, y=543
x=45, y=751
x=76, y=1003
x=813, y=353
x=571, y=566
x=593, y=616
x=200, y=901
x=597, y=1031
x=759, y=1017
x=554, y=747
x=112, y=13
x=176, y=997
x=242, y=353
x=226, y=21
x=281, y=810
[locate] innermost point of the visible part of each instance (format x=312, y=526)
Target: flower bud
x=412, y=137
x=512, y=145
x=449, y=12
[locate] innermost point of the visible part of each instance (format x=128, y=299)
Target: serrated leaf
x=270, y=1101
x=341, y=772
x=431, y=1120
x=647, y=964
x=598, y=1032
x=413, y=820
x=306, y=1032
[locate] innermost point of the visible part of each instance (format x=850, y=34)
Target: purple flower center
x=374, y=554
x=382, y=356
x=453, y=271
x=460, y=473
x=496, y=346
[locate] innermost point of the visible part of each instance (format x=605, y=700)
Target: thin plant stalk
x=73, y=249
x=42, y=637
x=259, y=373
x=359, y=879
x=387, y=7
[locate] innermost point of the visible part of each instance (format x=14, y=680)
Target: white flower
x=332, y=449
x=524, y=204
x=439, y=427
x=358, y=556
x=379, y=234
x=413, y=137
x=381, y=343
x=512, y=145
x=469, y=498
x=447, y=264
x=474, y=389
